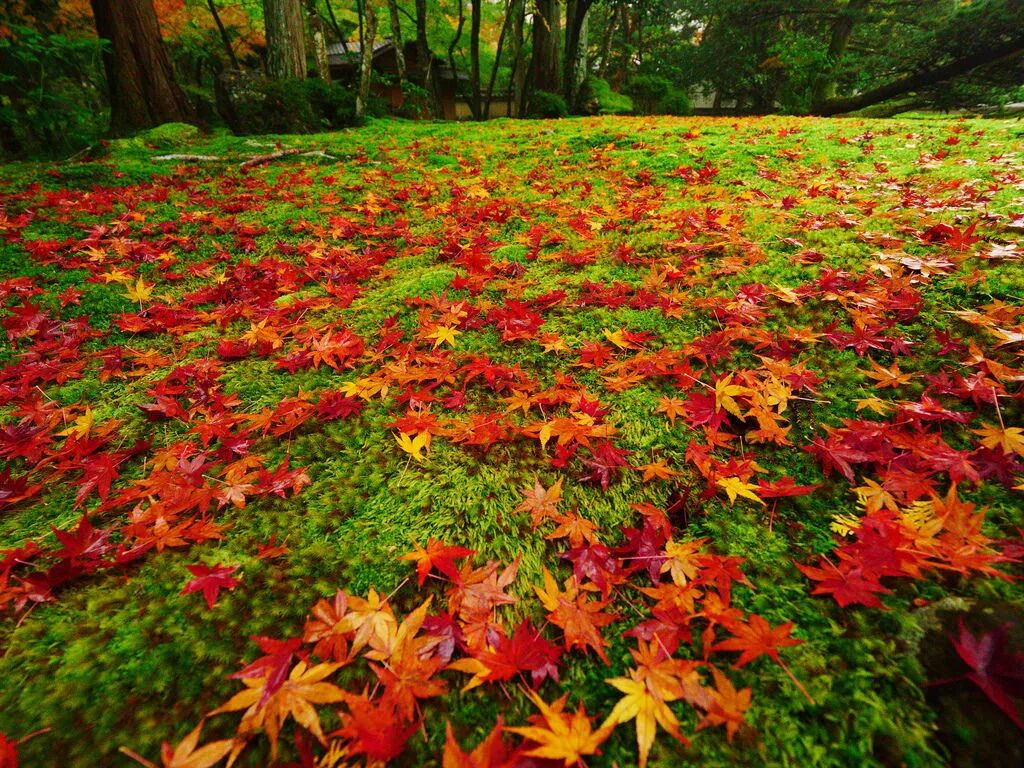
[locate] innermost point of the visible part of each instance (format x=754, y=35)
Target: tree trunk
x=140, y=78
x=396, y=39
x=606, y=46
x=425, y=59
x=825, y=84
x=497, y=58
x=1004, y=53
x=474, y=59
x=223, y=34
x=451, y=50
x=366, y=65
x=518, y=84
x=286, y=44
x=319, y=40
x=545, y=72
x=575, y=23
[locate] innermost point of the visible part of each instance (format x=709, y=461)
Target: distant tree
x=474, y=59
x=318, y=41
x=286, y=44
x=368, y=38
x=140, y=79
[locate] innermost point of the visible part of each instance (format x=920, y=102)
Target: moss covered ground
x=793, y=341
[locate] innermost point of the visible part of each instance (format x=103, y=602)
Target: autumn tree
x=140, y=79
x=286, y=45
x=369, y=35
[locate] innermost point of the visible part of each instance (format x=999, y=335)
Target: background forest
x=60, y=61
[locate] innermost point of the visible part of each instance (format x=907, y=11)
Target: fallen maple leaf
x=563, y=737
x=414, y=446
x=648, y=707
x=437, y=555
x=211, y=580
x=994, y=668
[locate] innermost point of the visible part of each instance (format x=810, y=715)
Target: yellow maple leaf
x=140, y=291
x=649, y=711
x=414, y=446
x=735, y=487
x=443, y=334
x=560, y=736
x=725, y=394
x=1009, y=439
x=82, y=426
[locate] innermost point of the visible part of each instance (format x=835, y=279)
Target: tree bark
x=396, y=39
x=286, y=44
x=606, y=46
x=1011, y=49
x=545, y=72
x=575, y=21
x=518, y=84
x=223, y=34
x=453, y=45
x=426, y=59
x=319, y=41
x=366, y=65
x=474, y=59
x=825, y=84
x=140, y=78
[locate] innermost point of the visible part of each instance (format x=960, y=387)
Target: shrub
x=648, y=91
x=51, y=92
x=253, y=104
x=547, y=104
x=675, y=102
x=600, y=99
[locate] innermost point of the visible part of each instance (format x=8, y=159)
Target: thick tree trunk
x=140, y=78
x=426, y=59
x=575, y=24
x=1006, y=52
x=286, y=44
x=396, y=38
x=518, y=89
x=319, y=41
x=842, y=28
x=474, y=59
x=366, y=65
x=545, y=70
x=223, y=34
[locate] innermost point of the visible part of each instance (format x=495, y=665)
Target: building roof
x=336, y=56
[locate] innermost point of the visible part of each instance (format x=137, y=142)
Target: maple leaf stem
x=698, y=381
x=395, y=590
x=22, y=620
x=999, y=413
x=137, y=757
x=797, y=683
x=401, y=474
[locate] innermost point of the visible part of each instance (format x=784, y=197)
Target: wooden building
x=344, y=59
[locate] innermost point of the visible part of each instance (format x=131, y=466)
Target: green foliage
x=291, y=106
x=50, y=92
x=648, y=91
x=675, y=103
x=547, y=104
x=655, y=95
x=605, y=100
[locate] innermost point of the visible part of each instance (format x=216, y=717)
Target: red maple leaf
x=994, y=668
x=211, y=580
